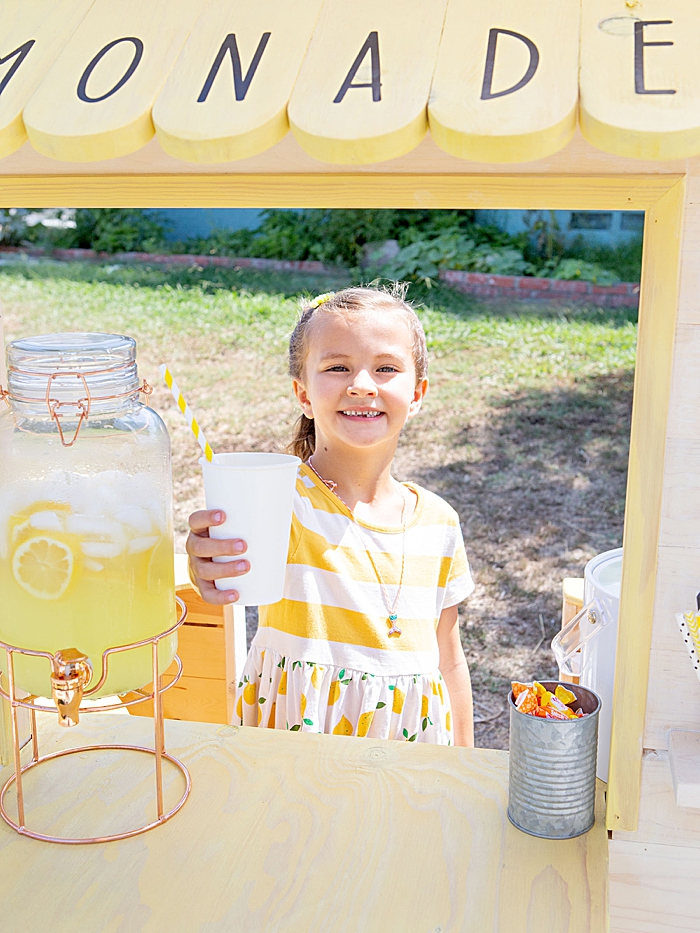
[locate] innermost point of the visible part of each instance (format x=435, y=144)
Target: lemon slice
x=43, y=566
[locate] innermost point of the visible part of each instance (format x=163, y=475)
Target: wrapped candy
x=536, y=700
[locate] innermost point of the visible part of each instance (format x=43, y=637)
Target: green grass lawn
x=525, y=429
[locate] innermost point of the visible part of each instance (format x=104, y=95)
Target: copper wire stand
x=158, y=751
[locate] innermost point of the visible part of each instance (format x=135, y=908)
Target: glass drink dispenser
x=86, y=541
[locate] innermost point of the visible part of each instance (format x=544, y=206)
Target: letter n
x=241, y=82
x=19, y=55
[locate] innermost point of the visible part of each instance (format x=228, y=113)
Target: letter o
x=85, y=77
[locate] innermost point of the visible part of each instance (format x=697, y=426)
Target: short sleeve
x=459, y=581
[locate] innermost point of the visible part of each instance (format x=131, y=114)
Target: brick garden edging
x=529, y=288
x=479, y=284
x=173, y=259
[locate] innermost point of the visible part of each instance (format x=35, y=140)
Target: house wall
x=605, y=228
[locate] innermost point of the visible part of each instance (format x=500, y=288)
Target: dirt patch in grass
x=538, y=479
x=525, y=430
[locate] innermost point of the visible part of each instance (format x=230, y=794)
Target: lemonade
x=86, y=562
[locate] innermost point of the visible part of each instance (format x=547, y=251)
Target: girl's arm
x=455, y=672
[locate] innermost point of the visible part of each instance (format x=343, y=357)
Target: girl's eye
x=338, y=368
x=387, y=369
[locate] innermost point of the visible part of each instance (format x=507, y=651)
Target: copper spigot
x=72, y=671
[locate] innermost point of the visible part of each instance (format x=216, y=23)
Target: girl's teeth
x=363, y=414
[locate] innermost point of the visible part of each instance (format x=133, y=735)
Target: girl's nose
x=362, y=385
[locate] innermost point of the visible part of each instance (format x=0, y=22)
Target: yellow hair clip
x=319, y=300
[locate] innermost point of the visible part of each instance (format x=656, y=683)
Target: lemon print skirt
x=280, y=693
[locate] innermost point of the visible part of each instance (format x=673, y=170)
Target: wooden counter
x=291, y=832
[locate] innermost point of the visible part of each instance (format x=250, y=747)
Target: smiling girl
x=366, y=638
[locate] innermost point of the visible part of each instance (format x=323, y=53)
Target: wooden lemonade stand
x=394, y=103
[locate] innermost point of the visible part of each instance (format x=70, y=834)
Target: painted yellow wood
x=639, y=84
x=653, y=888
x=33, y=34
x=95, y=101
x=287, y=157
x=625, y=192
x=298, y=833
x=506, y=81
x=207, y=113
x=652, y=386
x=362, y=91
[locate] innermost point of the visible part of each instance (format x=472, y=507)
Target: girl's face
x=359, y=382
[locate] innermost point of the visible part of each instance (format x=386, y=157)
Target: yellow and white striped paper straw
x=185, y=409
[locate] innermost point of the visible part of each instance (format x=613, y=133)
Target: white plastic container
x=586, y=647
x=256, y=491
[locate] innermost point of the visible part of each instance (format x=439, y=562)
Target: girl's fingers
x=201, y=521
x=208, y=570
x=210, y=594
x=198, y=546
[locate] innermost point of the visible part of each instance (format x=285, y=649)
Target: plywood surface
x=671, y=673
x=653, y=888
x=290, y=832
x=661, y=820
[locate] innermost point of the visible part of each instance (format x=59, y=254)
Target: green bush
x=334, y=237
x=624, y=259
x=428, y=240
x=571, y=269
x=113, y=230
x=423, y=259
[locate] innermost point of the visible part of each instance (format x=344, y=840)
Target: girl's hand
x=201, y=548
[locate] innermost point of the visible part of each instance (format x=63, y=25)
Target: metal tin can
x=551, y=790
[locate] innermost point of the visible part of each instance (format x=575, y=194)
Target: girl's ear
x=302, y=398
x=418, y=396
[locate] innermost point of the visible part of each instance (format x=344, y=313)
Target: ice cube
x=46, y=521
x=92, y=526
x=137, y=545
x=94, y=565
x=135, y=518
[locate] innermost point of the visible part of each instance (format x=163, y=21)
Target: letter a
x=486, y=88
x=372, y=46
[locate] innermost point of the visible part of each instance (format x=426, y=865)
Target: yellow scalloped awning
x=357, y=82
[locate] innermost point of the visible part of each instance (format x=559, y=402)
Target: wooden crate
x=200, y=695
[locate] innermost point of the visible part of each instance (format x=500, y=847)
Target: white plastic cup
x=256, y=492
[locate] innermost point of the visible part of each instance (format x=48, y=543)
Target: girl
x=366, y=639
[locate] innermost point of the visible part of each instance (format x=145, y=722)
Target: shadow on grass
x=539, y=482
x=439, y=297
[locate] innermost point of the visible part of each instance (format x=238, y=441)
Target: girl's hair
x=349, y=301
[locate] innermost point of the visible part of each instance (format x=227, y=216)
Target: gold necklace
x=391, y=608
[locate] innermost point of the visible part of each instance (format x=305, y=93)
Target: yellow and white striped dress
x=322, y=659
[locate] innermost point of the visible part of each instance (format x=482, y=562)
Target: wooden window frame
x=661, y=196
